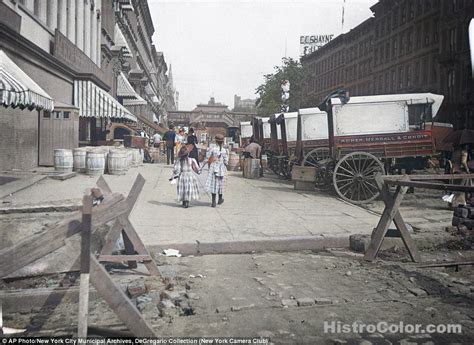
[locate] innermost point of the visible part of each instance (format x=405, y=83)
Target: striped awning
x=126, y=90
x=92, y=101
x=17, y=89
x=121, y=43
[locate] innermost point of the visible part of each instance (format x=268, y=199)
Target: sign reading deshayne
x=309, y=44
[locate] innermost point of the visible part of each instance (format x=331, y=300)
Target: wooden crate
x=303, y=174
x=134, y=141
x=304, y=185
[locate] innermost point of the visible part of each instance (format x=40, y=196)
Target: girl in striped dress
x=184, y=170
x=217, y=158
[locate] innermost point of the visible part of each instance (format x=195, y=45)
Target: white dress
x=216, y=178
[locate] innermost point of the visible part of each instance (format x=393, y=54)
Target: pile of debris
x=463, y=222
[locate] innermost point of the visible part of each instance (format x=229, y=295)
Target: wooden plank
x=118, y=301
x=137, y=187
x=103, y=185
x=122, y=258
x=34, y=247
x=447, y=264
x=429, y=185
x=400, y=224
x=391, y=208
x=85, y=266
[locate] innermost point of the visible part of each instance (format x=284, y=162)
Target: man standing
x=170, y=138
x=156, y=139
x=253, y=149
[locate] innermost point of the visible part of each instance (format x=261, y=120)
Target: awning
x=18, y=90
x=121, y=43
x=95, y=102
x=126, y=90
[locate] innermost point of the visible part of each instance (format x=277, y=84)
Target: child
x=184, y=170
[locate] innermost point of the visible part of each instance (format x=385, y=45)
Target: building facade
x=244, y=105
x=407, y=46
x=210, y=119
x=93, y=66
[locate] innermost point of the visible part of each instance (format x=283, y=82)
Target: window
x=435, y=31
x=57, y=115
x=46, y=114
x=400, y=77
x=434, y=70
x=451, y=83
x=394, y=80
x=416, y=74
x=419, y=114
x=426, y=40
x=394, y=48
x=66, y=114
x=408, y=76
x=409, y=41
x=419, y=33
x=452, y=39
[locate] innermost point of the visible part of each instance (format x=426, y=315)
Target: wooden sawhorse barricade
x=99, y=208
x=392, y=204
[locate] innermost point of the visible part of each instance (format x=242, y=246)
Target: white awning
x=126, y=90
x=121, y=42
x=92, y=101
x=17, y=89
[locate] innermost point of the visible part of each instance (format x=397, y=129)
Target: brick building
x=407, y=46
x=69, y=70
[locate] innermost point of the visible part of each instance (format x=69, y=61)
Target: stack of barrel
x=464, y=215
x=97, y=160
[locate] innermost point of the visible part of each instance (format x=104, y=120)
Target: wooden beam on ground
x=427, y=177
x=430, y=185
x=85, y=266
x=447, y=264
x=118, y=301
x=34, y=247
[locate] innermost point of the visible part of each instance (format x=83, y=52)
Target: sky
x=222, y=48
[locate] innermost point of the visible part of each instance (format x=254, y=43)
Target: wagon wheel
x=354, y=177
x=315, y=156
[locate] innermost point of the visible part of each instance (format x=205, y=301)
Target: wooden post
x=85, y=265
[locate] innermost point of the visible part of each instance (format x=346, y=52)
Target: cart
x=377, y=134
x=312, y=144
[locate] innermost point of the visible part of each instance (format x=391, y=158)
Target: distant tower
x=176, y=99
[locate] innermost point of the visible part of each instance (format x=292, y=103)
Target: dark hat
x=219, y=137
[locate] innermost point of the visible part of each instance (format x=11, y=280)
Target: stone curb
x=284, y=244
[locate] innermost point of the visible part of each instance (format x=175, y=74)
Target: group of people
x=188, y=165
x=174, y=141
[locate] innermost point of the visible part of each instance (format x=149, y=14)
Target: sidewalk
x=254, y=210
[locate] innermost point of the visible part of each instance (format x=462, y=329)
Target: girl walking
x=184, y=170
x=217, y=158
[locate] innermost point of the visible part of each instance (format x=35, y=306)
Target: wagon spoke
x=342, y=174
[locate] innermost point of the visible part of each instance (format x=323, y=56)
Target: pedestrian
x=217, y=158
x=460, y=165
x=192, y=141
x=179, y=140
x=170, y=138
x=156, y=139
x=185, y=171
x=253, y=149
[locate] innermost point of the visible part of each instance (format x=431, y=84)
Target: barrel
x=129, y=157
x=95, y=162
x=63, y=160
x=117, y=162
x=136, y=157
x=79, y=159
x=251, y=168
x=234, y=161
